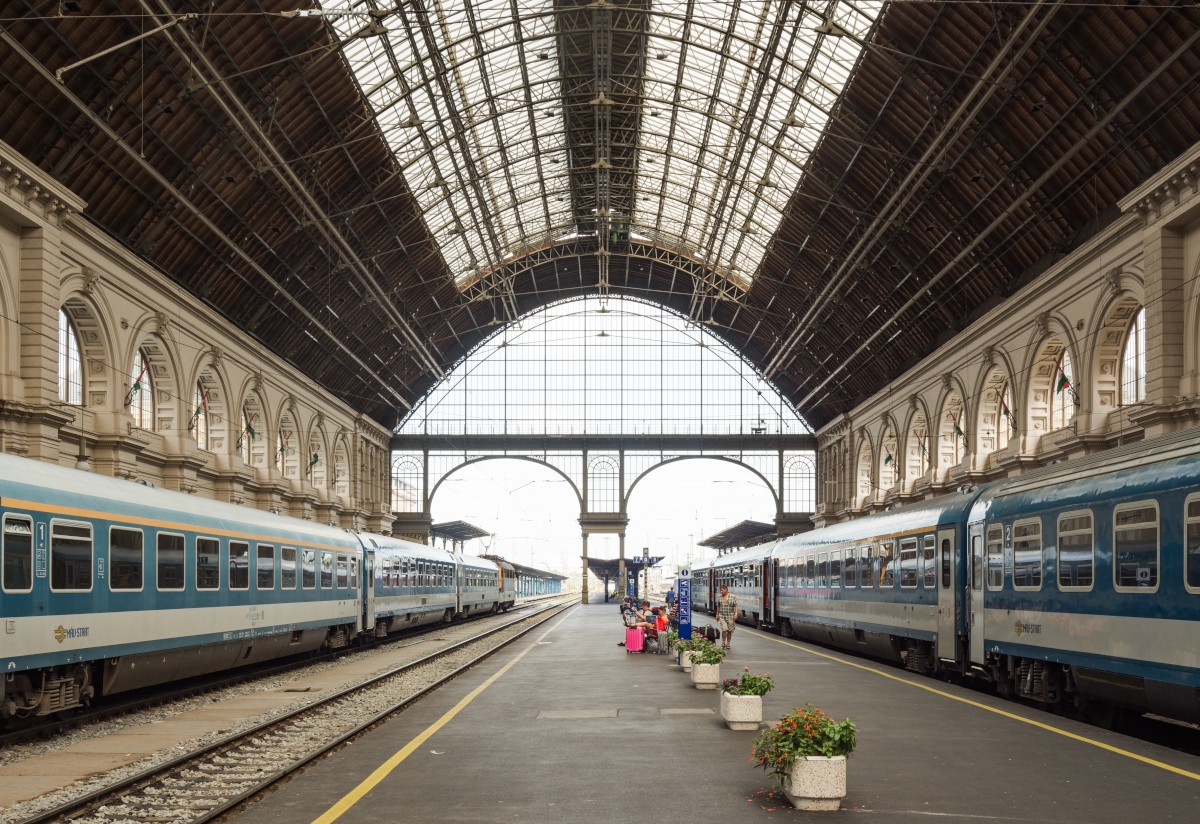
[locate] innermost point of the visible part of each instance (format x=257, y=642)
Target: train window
x=995, y=556
x=929, y=563
x=326, y=570
x=353, y=564
x=850, y=570
x=908, y=563
x=945, y=563
x=287, y=567
x=823, y=569
x=343, y=572
x=126, y=560
x=976, y=562
x=404, y=572
x=835, y=569
x=1027, y=554
x=1191, y=545
x=70, y=556
x=865, y=579
x=239, y=565
x=308, y=568
x=264, y=566
x=887, y=566
x=1076, y=550
x=208, y=563
x=170, y=561
x=18, y=554
x=1135, y=547
x=810, y=573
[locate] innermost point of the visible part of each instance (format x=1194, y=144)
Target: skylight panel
x=468, y=93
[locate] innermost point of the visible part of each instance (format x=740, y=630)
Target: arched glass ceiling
x=603, y=367
x=517, y=123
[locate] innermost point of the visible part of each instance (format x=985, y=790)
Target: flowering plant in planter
x=749, y=683
x=803, y=731
x=707, y=653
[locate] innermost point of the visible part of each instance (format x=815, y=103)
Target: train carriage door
x=975, y=593
x=368, y=589
x=947, y=593
x=768, y=592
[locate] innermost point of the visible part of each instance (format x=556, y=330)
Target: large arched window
x=70, y=363
x=141, y=392
x=199, y=422
x=1133, y=361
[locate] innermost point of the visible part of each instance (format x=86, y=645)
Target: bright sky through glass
x=734, y=98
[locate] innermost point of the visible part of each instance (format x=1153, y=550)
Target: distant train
x=1076, y=585
x=109, y=585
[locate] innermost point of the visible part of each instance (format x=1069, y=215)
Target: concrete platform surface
x=567, y=727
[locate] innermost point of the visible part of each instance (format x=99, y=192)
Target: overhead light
x=228, y=178
x=601, y=100
x=792, y=121
x=412, y=122
x=544, y=55
x=602, y=334
x=165, y=108
x=69, y=7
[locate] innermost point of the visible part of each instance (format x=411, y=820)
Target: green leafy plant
x=749, y=683
x=707, y=653
x=803, y=731
x=672, y=639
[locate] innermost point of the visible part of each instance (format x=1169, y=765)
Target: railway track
x=212, y=780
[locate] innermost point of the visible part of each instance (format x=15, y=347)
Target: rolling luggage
x=635, y=639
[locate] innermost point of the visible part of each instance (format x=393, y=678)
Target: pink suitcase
x=635, y=639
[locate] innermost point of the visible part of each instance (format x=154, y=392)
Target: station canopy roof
x=744, y=534
x=459, y=531
x=370, y=188
x=608, y=568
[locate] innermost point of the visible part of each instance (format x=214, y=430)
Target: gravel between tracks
x=371, y=702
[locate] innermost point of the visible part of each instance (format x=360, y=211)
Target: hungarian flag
x=250, y=429
x=887, y=456
x=316, y=457
x=1063, y=381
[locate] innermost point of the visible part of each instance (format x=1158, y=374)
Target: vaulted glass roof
x=518, y=124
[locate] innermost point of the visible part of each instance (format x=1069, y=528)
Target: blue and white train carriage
x=1073, y=585
x=108, y=585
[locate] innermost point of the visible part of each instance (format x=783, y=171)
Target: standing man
x=727, y=612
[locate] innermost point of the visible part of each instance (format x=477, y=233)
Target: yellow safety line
x=1004, y=713
x=385, y=769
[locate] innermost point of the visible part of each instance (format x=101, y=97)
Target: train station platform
x=565, y=726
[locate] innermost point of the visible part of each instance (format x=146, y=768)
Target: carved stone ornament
x=214, y=355
x=948, y=381
x=1113, y=279
x=161, y=322
x=91, y=279
x=1042, y=325
x=989, y=357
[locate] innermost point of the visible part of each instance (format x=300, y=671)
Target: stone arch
x=152, y=336
x=288, y=444
x=917, y=456
x=1051, y=396
x=253, y=443
x=221, y=426
x=951, y=444
x=862, y=474
x=775, y=495
x=339, y=483
x=889, y=458
x=574, y=487
x=995, y=420
x=1112, y=331
x=96, y=347
x=316, y=466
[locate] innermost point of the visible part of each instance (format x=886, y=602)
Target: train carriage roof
x=86, y=495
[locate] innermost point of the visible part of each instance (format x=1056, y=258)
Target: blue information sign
x=683, y=601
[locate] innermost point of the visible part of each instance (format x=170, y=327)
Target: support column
x=583, y=587
x=621, y=563
x=1165, y=307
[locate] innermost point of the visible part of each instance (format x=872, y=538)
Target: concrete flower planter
x=816, y=782
x=706, y=676
x=685, y=660
x=741, y=712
